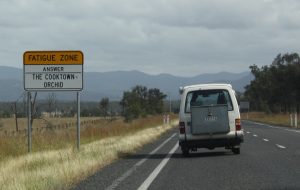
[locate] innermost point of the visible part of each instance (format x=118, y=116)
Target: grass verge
x=53, y=139
x=282, y=119
x=60, y=169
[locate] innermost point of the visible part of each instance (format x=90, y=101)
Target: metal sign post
x=29, y=120
x=78, y=120
x=53, y=71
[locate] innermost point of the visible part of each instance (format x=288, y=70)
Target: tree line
x=276, y=87
x=141, y=101
x=137, y=102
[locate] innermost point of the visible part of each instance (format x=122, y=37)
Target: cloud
x=179, y=37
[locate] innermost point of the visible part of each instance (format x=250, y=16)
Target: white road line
x=156, y=171
x=134, y=167
x=280, y=146
x=254, y=135
x=267, y=140
x=248, y=132
x=291, y=130
x=275, y=127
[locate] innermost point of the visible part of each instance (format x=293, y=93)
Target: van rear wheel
x=236, y=150
x=185, y=152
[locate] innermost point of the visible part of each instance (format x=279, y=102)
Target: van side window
x=206, y=98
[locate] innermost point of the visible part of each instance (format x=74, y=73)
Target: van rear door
x=209, y=111
x=212, y=119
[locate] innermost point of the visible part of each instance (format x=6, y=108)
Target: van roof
x=214, y=85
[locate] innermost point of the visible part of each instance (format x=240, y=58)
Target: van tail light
x=238, y=125
x=181, y=127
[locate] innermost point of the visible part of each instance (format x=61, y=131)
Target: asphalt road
x=269, y=159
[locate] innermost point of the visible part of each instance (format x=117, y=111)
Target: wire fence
x=48, y=127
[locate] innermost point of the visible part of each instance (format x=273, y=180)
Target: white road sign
x=53, y=70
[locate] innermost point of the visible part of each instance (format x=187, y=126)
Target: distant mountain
x=10, y=73
x=113, y=84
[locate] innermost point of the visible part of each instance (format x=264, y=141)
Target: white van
x=209, y=117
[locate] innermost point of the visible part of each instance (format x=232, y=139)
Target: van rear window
x=206, y=98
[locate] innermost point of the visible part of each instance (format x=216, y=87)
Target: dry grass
x=55, y=162
x=11, y=146
x=275, y=119
x=59, y=169
x=51, y=139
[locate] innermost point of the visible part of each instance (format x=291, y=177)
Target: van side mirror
x=180, y=90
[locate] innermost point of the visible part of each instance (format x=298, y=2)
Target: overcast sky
x=180, y=37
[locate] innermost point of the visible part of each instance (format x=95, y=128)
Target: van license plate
x=211, y=118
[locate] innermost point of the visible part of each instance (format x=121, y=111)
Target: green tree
x=104, y=106
x=140, y=94
x=141, y=102
x=131, y=106
x=276, y=87
x=155, y=101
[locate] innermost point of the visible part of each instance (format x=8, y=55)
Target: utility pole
x=16, y=116
x=170, y=103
